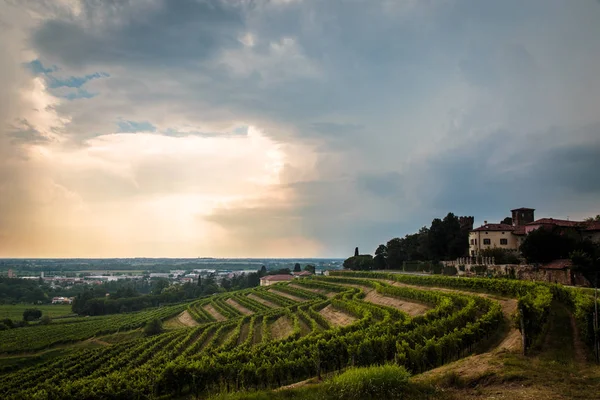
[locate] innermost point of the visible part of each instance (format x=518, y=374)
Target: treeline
x=14, y=290
x=95, y=302
x=445, y=239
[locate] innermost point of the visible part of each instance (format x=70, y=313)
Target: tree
x=263, y=271
x=297, y=267
x=507, y=221
x=31, y=314
x=359, y=263
x=310, y=268
x=501, y=256
x=356, y=254
x=544, y=245
x=45, y=320
x=379, y=262
x=395, y=254
x=159, y=286
x=593, y=219
x=153, y=327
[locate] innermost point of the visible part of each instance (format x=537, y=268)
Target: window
x=472, y=241
x=487, y=241
x=475, y=242
x=504, y=241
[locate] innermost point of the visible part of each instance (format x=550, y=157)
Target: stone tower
x=522, y=216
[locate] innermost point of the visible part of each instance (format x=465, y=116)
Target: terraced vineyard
x=272, y=336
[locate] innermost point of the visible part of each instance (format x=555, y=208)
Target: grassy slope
x=558, y=370
x=15, y=312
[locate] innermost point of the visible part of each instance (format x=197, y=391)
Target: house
x=273, y=279
x=62, y=300
x=302, y=274
x=504, y=236
x=591, y=231
x=511, y=236
x=550, y=223
x=561, y=271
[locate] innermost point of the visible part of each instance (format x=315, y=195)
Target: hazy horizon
x=288, y=128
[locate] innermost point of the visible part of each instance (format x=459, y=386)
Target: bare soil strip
x=244, y=333
x=319, y=291
x=287, y=295
x=336, y=317
x=281, y=328
x=215, y=314
x=412, y=309
x=186, y=319
x=239, y=307
x=512, y=340
x=257, y=334
x=262, y=301
x=304, y=328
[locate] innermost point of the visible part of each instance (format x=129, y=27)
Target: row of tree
x=445, y=239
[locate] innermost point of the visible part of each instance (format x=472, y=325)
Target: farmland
x=268, y=337
x=15, y=312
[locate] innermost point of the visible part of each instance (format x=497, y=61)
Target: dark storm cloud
x=162, y=34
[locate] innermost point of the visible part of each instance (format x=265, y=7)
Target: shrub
x=45, y=320
x=31, y=314
x=450, y=270
x=153, y=327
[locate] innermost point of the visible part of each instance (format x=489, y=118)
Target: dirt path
x=262, y=301
x=239, y=307
x=336, y=317
x=324, y=292
x=281, y=328
x=287, y=295
x=580, y=353
x=215, y=314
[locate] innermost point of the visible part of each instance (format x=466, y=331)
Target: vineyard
x=268, y=337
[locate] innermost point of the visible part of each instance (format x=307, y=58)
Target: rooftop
x=494, y=227
x=557, y=222
x=592, y=226
x=523, y=209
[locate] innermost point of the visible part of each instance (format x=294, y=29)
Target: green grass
x=378, y=382
x=15, y=312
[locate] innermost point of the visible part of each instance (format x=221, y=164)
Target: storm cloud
x=299, y=128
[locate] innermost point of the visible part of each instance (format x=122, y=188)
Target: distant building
x=11, y=274
x=62, y=300
x=273, y=279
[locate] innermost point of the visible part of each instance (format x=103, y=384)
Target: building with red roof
x=273, y=279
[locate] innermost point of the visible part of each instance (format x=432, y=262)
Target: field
x=15, y=312
x=271, y=337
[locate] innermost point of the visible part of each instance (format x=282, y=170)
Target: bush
x=381, y=382
x=450, y=270
x=153, y=327
x=45, y=320
x=31, y=314
x=436, y=268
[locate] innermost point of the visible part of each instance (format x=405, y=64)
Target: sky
x=288, y=128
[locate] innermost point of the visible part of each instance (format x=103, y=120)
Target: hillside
x=270, y=337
